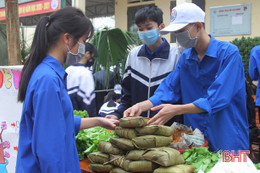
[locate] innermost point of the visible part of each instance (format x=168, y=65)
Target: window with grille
x=131, y=26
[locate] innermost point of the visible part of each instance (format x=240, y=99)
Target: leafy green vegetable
x=82, y=114
x=87, y=140
x=257, y=166
x=201, y=158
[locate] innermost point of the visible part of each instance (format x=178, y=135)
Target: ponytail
x=37, y=54
x=66, y=20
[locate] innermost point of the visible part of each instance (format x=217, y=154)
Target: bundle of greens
x=201, y=158
x=257, y=166
x=82, y=114
x=87, y=140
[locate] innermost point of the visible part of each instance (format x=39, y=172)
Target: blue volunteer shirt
x=48, y=127
x=215, y=85
x=254, y=67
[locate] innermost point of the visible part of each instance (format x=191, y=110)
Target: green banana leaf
x=113, y=46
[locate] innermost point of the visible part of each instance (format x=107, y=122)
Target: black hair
x=66, y=20
x=111, y=98
x=151, y=12
x=91, y=48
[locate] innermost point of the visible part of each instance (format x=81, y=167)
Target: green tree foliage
x=113, y=46
x=245, y=46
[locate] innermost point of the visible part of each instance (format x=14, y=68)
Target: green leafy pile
x=87, y=140
x=82, y=114
x=201, y=158
x=257, y=166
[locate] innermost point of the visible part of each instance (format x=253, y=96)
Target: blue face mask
x=149, y=37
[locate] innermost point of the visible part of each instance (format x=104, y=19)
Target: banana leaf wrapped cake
x=118, y=170
x=139, y=148
x=107, y=147
x=135, y=155
x=119, y=161
x=151, y=141
x=142, y=166
x=176, y=169
x=155, y=130
x=164, y=156
x=122, y=143
x=133, y=122
x=98, y=157
x=95, y=167
x=125, y=132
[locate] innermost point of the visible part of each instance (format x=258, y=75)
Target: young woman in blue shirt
x=48, y=126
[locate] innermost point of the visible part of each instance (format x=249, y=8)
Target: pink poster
x=10, y=114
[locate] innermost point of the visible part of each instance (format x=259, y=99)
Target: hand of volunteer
x=109, y=123
x=111, y=117
x=167, y=111
x=138, y=108
x=98, y=121
x=133, y=111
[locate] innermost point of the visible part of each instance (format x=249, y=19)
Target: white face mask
x=74, y=58
x=185, y=40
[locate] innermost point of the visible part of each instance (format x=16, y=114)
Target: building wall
x=165, y=7
x=28, y=32
x=122, y=5
x=121, y=14
x=79, y=4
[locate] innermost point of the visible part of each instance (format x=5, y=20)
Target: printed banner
x=34, y=8
x=2, y=2
x=10, y=113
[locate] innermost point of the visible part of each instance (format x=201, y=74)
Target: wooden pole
x=12, y=32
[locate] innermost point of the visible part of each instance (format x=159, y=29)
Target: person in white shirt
x=80, y=82
x=110, y=104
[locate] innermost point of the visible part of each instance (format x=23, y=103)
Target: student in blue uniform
x=47, y=126
x=147, y=65
x=209, y=77
x=254, y=69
